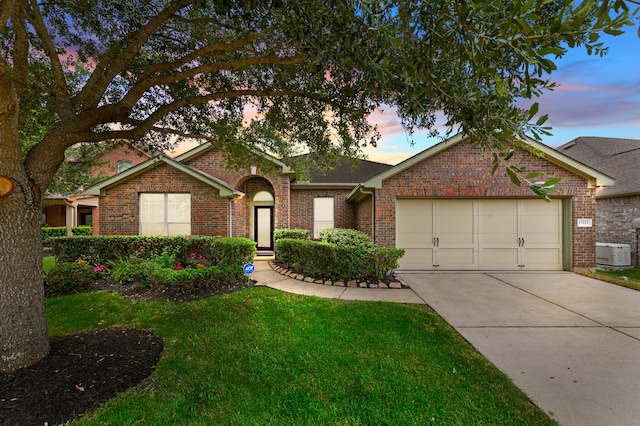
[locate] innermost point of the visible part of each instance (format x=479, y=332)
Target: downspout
x=230, y=215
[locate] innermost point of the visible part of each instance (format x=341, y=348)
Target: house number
x=585, y=223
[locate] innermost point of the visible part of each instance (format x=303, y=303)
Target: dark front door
x=264, y=227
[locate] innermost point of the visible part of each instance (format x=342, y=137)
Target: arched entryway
x=262, y=219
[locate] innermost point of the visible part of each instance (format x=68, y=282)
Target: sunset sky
x=595, y=97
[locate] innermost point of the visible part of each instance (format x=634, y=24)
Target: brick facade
x=364, y=216
x=119, y=207
x=465, y=171
x=107, y=163
x=614, y=220
x=459, y=171
x=302, y=208
x=55, y=215
x=211, y=214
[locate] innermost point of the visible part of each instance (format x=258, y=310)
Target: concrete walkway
x=266, y=276
x=571, y=343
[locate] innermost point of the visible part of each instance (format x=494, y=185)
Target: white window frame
x=323, y=214
x=166, y=223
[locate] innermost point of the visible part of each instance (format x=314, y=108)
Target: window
x=123, y=165
x=165, y=214
x=322, y=215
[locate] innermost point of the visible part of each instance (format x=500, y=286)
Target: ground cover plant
x=260, y=356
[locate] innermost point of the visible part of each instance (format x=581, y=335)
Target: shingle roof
x=345, y=173
x=618, y=158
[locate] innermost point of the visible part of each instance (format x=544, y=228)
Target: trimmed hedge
x=102, y=249
x=61, y=231
x=296, y=234
x=337, y=262
x=345, y=237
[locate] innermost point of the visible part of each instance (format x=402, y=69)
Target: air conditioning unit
x=610, y=254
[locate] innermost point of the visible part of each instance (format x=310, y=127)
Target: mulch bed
x=83, y=371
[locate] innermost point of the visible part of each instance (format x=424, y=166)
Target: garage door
x=479, y=234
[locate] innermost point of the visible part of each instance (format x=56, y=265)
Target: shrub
x=132, y=268
x=296, y=234
x=345, y=237
x=61, y=231
x=103, y=249
x=337, y=262
x=66, y=276
x=195, y=278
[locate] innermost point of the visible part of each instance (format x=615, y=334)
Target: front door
x=264, y=227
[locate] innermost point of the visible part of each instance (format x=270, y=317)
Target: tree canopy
x=284, y=75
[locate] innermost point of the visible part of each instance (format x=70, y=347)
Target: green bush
x=141, y=271
x=103, y=249
x=61, y=231
x=195, y=278
x=345, y=237
x=66, y=276
x=296, y=234
x=337, y=262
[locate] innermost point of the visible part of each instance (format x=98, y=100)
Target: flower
x=178, y=267
x=101, y=268
x=81, y=261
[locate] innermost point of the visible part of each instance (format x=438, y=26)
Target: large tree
x=275, y=75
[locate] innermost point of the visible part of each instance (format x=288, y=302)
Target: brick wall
x=56, y=215
x=119, y=207
x=211, y=163
x=614, y=220
x=364, y=216
x=107, y=164
x=302, y=208
x=210, y=212
x=465, y=171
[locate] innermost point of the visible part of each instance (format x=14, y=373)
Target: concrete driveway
x=569, y=342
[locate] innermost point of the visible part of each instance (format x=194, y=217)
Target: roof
x=618, y=158
x=344, y=174
x=594, y=177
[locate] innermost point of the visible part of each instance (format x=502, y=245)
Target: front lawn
x=260, y=356
x=629, y=278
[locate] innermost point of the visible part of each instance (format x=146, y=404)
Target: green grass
x=260, y=356
x=615, y=277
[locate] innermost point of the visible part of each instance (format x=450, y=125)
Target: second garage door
x=470, y=234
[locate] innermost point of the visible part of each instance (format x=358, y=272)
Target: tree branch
x=20, y=52
x=8, y=8
x=206, y=50
x=119, y=55
x=64, y=108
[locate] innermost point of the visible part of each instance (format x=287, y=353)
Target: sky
x=595, y=96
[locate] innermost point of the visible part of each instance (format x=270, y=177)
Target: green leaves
x=291, y=76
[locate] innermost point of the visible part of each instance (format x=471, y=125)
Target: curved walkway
x=266, y=276
x=570, y=342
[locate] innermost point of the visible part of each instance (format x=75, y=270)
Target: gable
x=226, y=190
x=593, y=177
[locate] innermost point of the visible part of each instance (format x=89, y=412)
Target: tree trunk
x=23, y=328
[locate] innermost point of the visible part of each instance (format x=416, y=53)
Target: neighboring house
x=76, y=210
x=619, y=205
x=443, y=206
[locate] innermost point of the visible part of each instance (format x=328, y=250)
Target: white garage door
x=479, y=234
